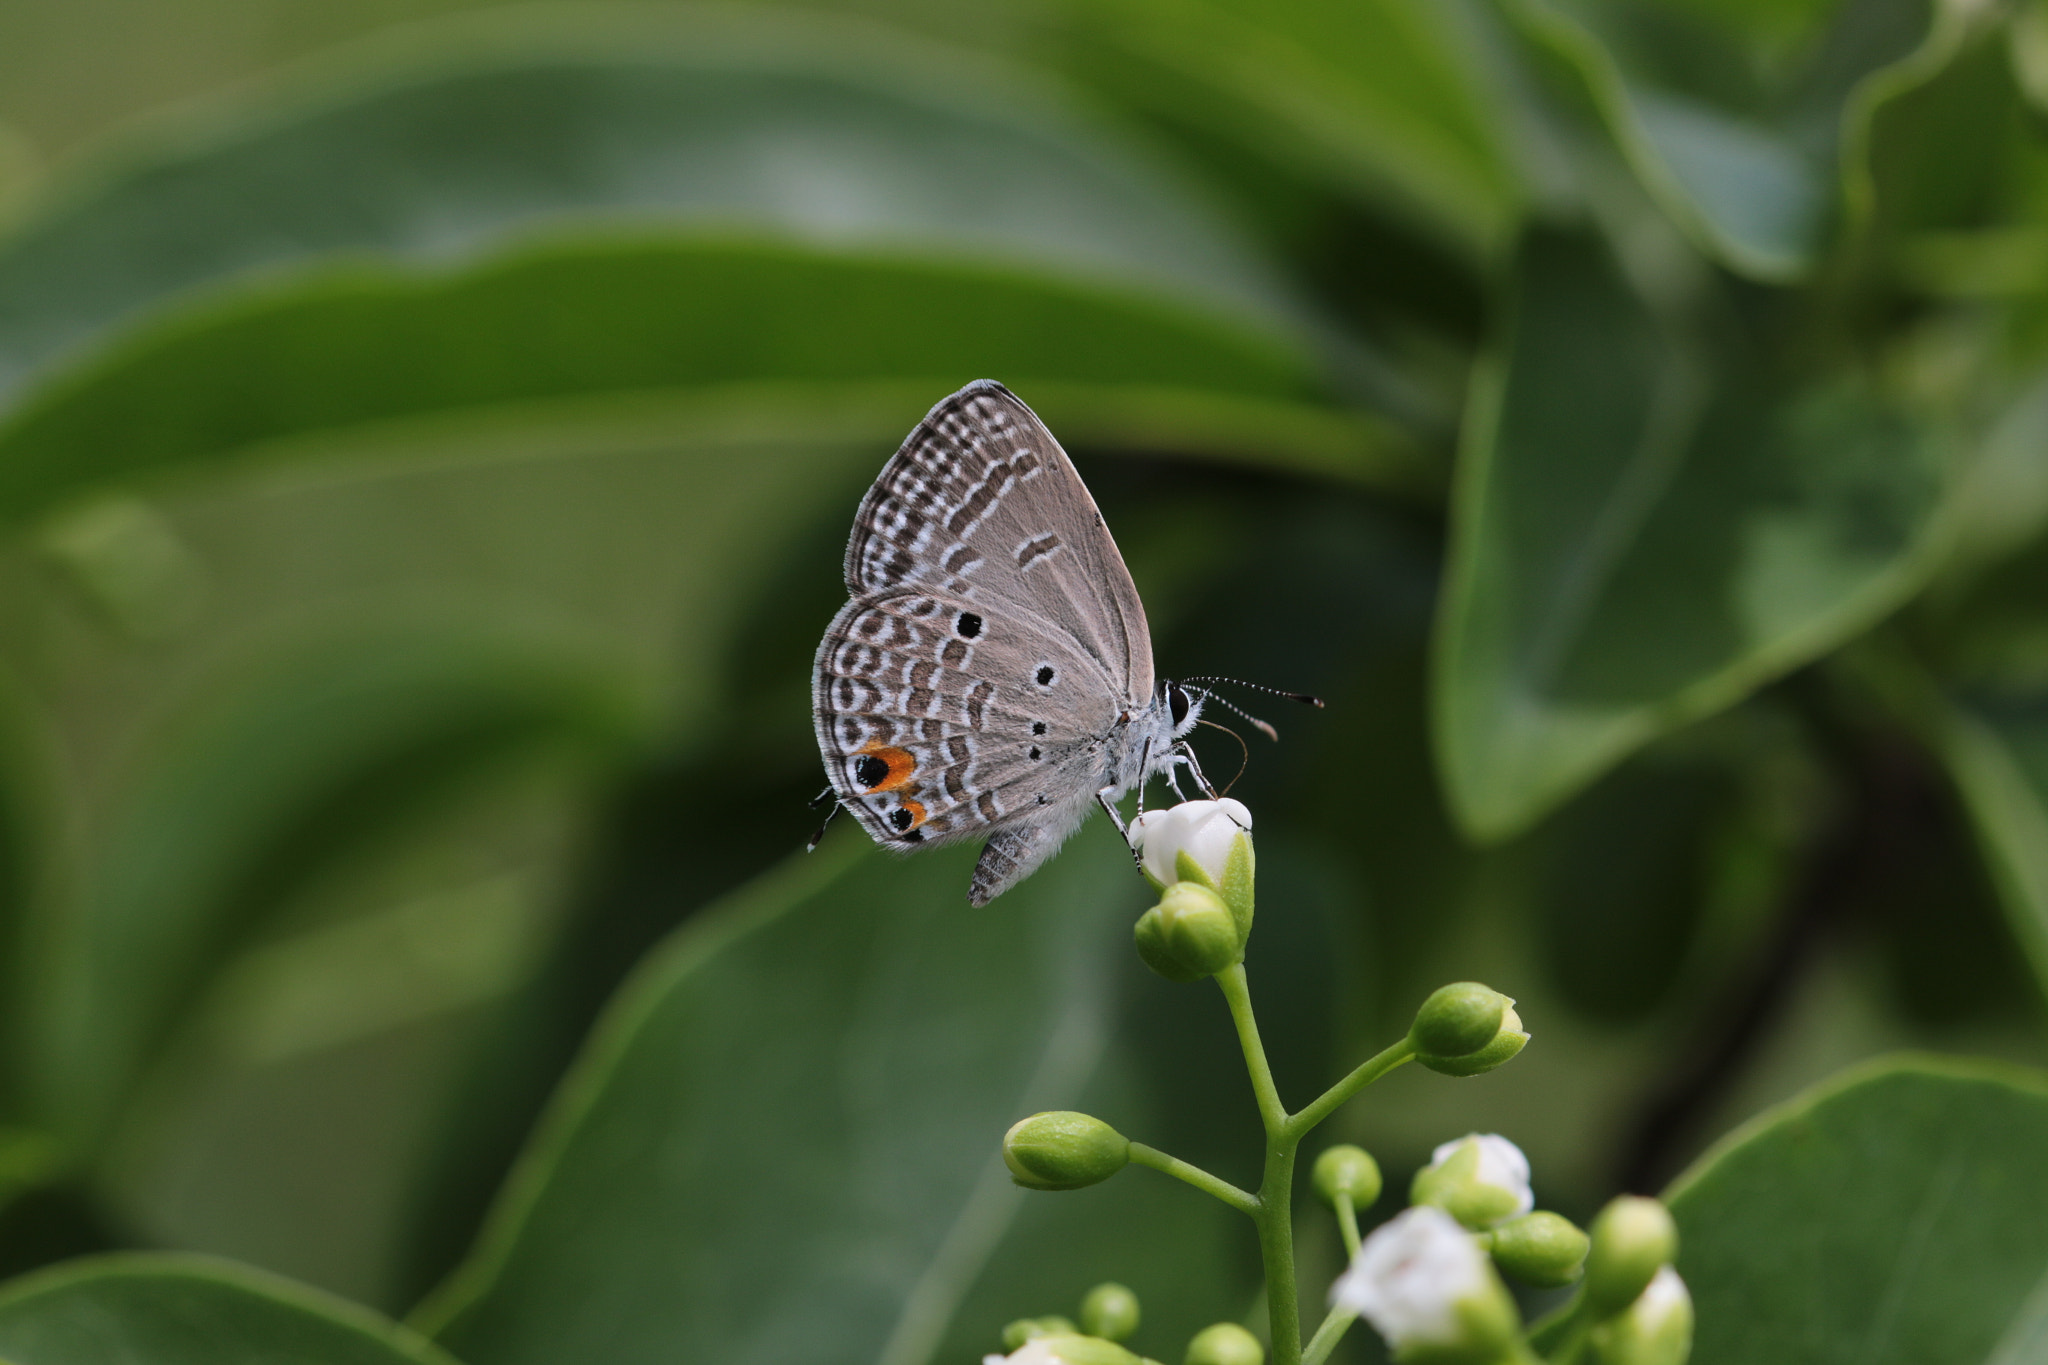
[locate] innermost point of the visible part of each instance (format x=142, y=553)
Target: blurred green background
x=428, y=435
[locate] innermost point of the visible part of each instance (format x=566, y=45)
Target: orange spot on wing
x=902, y=767
x=916, y=809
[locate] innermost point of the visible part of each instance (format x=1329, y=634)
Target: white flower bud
x=1481, y=1178
x=1422, y=1281
x=1064, y=1349
x=1655, y=1330
x=1204, y=830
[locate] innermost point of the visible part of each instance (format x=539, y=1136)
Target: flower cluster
x=1430, y=1278
x=1426, y=1279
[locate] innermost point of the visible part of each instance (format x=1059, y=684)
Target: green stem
x=1275, y=1216
x=1237, y=991
x=1327, y=1336
x=1276, y=1248
x=1241, y=1200
x=1368, y=1072
x=1347, y=1224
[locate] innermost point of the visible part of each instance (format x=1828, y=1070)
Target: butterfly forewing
x=980, y=502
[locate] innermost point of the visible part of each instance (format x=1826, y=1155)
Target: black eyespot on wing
x=915, y=836
x=968, y=624
x=1034, y=753
x=870, y=772
x=900, y=818
x=1037, y=727
x=1041, y=799
x=1046, y=675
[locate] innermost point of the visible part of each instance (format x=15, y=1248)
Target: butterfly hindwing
x=941, y=719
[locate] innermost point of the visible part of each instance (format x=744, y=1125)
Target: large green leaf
x=1385, y=103
x=1893, y=1215
x=1646, y=529
x=191, y=1310
x=1749, y=124
x=781, y=1142
x=630, y=320
x=822, y=130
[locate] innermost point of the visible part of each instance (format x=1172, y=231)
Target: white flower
x=1064, y=1349
x=1500, y=1167
x=1410, y=1275
x=1659, y=1304
x=1204, y=830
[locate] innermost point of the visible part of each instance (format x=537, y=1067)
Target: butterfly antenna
x=1267, y=730
x=1243, y=749
x=1302, y=697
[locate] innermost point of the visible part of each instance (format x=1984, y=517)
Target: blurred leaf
x=1889, y=1215
x=1643, y=533
x=191, y=1310
x=622, y=320
x=1385, y=102
x=1622, y=876
x=1997, y=754
x=312, y=757
x=1750, y=148
x=436, y=146
x=711, y=1184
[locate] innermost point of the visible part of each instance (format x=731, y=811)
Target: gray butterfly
x=993, y=673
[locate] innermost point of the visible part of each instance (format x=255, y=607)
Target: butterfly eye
x=1177, y=701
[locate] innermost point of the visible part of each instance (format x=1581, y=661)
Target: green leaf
x=1749, y=129
x=714, y=1184
x=633, y=321
x=1996, y=750
x=1645, y=530
x=191, y=1310
x=318, y=753
x=437, y=147
x=1890, y=1215
x=1386, y=103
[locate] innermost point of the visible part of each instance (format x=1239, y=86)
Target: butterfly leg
x=1185, y=753
x=1106, y=798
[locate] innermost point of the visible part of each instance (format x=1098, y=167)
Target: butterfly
x=991, y=675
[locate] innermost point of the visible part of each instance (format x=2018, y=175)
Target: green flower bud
x=1656, y=1329
x=1063, y=1150
x=1479, y=1179
x=1029, y=1329
x=1225, y=1344
x=1109, y=1311
x=1633, y=1238
x=1508, y=1039
x=1347, y=1170
x=1540, y=1249
x=1189, y=935
x=1457, y=1019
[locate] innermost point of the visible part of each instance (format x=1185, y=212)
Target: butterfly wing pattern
x=993, y=667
